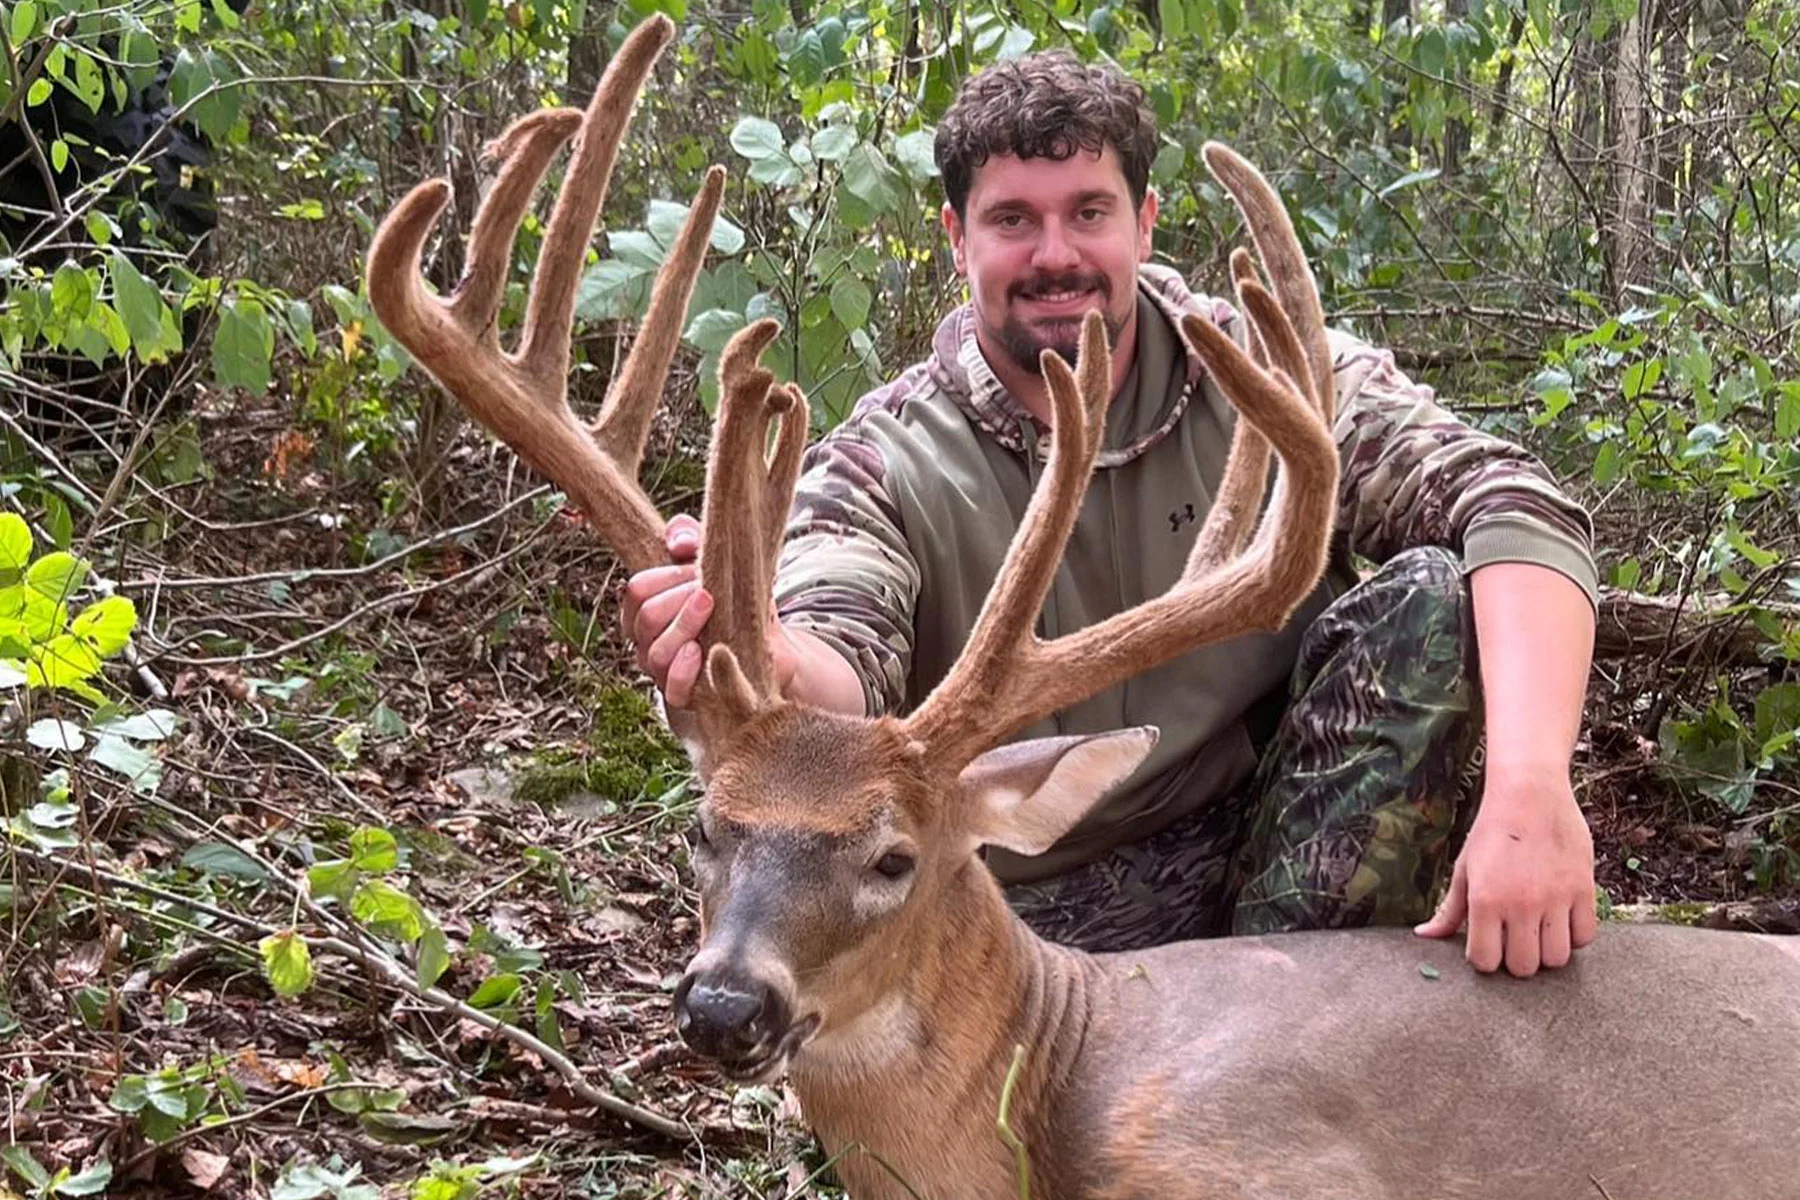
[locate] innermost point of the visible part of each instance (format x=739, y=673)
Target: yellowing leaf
x=106, y=625
x=15, y=547
x=287, y=963
x=352, y=334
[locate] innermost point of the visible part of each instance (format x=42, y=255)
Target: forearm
x=1534, y=629
x=822, y=677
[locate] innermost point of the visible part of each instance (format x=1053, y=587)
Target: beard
x=1025, y=342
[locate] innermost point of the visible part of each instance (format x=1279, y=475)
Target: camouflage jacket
x=904, y=512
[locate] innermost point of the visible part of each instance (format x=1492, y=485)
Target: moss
x=1688, y=913
x=628, y=751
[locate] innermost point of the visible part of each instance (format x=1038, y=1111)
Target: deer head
x=831, y=849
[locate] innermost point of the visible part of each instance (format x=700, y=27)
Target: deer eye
x=895, y=864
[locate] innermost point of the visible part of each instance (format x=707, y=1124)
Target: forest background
x=343, y=855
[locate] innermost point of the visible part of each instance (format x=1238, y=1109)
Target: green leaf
x=1777, y=710
x=38, y=92
x=287, y=963
x=871, y=178
x=1019, y=40
x=130, y=1094
x=138, y=53
x=221, y=858
x=24, y=21
x=243, y=346
x=1787, y=413
x=154, y=725
x=833, y=142
x=758, y=140
x=59, y=155
x=140, y=768
x=72, y=293
x=665, y=218
x=916, y=153
x=142, y=308
x=434, y=955
x=496, y=990
x=806, y=60
x=15, y=548
x=1607, y=464
x=207, y=74
x=1640, y=377
x=53, y=734
x=65, y=661
x=388, y=911
x=106, y=625
x=373, y=850
x=20, y=1159
x=332, y=880
x=711, y=330
x=851, y=301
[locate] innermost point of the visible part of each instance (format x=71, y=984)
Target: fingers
x=1554, y=942
x=683, y=538
x=1451, y=911
x=646, y=588
x=689, y=618
x=684, y=672
x=1524, y=944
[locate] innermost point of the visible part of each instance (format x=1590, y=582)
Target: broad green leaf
x=15, y=548
x=243, y=346
x=758, y=140
x=833, y=142
x=20, y=1159
x=53, y=734
x=388, y=911
x=130, y=1094
x=806, y=60
x=140, y=768
x=106, y=625
x=711, y=330
x=434, y=955
x=373, y=850
x=40, y=91
x=1787, y=412
x=57, y=576
x=496, y=990
x=64, y=661
x=59, y=155
x=851, y=300
x=332, y=880
x=1019, y=40
x=24, y=21
x=155, y=725
x=1640, y=377
x=87, y=1183
x=138, y=54
x=1777, y=710
x=141, y=306
x=221, y=858
x=287, y=963
x=72, y=293
x=915, y=152
x=204, y=78
x=871, y=178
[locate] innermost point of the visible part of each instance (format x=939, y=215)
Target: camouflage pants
x=1356, y=807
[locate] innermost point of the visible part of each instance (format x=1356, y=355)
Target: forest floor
x=335, y=669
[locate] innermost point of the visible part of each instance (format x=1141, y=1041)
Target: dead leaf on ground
x=204, y=1168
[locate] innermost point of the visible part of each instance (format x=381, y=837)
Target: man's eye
x=894, y=864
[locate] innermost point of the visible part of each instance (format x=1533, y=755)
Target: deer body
x=850, y=932
x=1662, y=1064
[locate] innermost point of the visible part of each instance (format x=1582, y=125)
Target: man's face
x=1046, y=241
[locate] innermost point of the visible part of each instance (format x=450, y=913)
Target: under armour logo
x=1180, y=517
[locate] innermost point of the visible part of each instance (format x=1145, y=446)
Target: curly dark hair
x=1046, y=105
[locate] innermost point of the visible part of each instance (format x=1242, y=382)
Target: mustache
x=1069, y=281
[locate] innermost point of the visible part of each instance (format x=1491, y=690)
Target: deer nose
x=728, y=1018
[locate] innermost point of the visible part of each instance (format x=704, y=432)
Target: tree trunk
x=587, y=52
x=1503, y=86
x=1630, y=159
x=1399, y=128
x=1456, y=100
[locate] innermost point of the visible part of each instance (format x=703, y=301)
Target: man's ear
x=1025, y=796
x=954, y=231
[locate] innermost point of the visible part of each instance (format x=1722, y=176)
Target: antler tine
x=1279, y=247
x=522, y=397
x=1257, y=589
x=1003, y=632
x=741, y=536
x=624, y=423
x=544, y=347
x=1232, y=517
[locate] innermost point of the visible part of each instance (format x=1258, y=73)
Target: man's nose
x=1055, y=251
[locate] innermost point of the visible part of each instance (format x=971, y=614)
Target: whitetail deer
x=851, y=935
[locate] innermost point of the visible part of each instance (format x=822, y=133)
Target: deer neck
x=981, y=983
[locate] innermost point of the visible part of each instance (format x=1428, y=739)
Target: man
x=1367, y=714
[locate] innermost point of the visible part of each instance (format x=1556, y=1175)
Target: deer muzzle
x=742, y=1022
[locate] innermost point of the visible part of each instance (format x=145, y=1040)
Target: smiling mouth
x=768, y=1061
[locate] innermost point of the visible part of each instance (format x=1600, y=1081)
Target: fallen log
x=1631, y=625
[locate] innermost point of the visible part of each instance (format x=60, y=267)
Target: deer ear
x=1023, y=797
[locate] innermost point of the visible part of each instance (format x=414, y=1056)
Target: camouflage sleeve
x=1415, y=475
x=846, y=574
